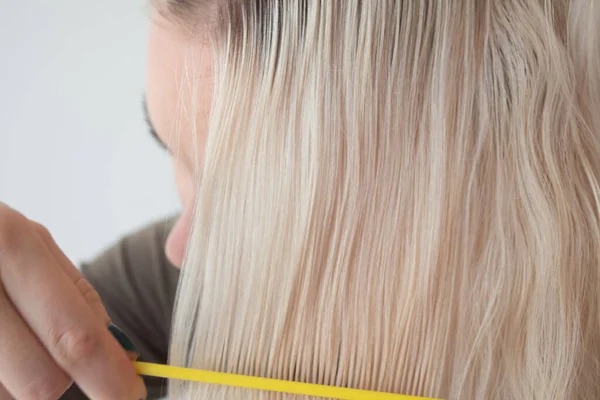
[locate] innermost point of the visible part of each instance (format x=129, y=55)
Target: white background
x=75, y=154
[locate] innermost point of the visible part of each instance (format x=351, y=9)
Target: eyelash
x=155, y=136
x=151, y=127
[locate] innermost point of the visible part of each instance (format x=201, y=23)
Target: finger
x=52, y=306
x=4, y=395
x=26, y=368
x=87, y=291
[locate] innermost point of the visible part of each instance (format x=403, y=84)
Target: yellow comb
x=273, y=385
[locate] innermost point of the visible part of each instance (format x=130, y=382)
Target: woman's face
x=178, y=96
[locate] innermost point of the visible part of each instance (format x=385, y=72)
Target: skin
x=169, y=90
x=54, y=326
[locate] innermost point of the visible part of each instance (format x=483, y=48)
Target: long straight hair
x=400, y=196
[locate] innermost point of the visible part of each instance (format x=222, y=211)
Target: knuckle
x=46, y=388
x=88, y=292
x=75, y=346
x=92, y=298
x=41, y=230
x=85, y=288
x=11, y=224
x=4, y=209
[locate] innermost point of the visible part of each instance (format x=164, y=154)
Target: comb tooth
x=269, y=385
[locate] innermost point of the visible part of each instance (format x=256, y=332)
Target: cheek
x=184, y=182
x=178, y=237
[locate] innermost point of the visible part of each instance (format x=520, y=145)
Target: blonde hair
x=399, y=196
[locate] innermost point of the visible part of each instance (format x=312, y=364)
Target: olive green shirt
x=137, y=285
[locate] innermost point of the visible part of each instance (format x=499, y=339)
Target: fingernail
x=123, y=339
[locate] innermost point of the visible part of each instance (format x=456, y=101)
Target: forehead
x=178, y=86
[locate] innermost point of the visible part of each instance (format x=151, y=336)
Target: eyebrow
x=151, y=127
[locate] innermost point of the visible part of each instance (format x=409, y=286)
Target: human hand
x=53, y=326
